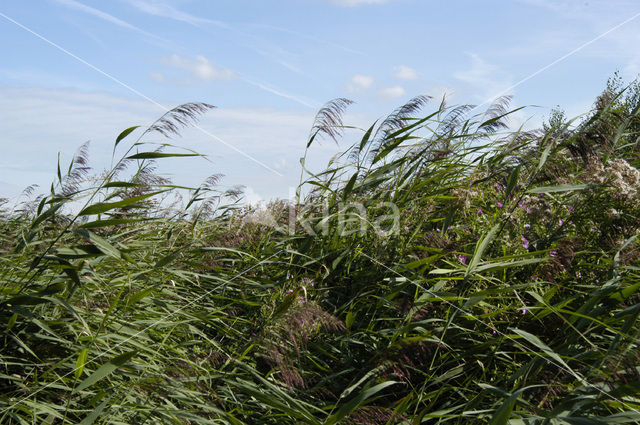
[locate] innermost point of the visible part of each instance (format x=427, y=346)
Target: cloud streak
x=277, y=92
x=200, y=68
x=164, y=10
x=73, y=4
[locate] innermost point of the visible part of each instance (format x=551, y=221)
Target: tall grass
x=443, y=270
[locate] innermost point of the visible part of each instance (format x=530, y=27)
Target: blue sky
x=268, y=65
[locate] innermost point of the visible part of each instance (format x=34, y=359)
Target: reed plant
x=445, y=268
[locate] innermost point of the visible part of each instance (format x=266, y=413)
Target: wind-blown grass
x=504, y=290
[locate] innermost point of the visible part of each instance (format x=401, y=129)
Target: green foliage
x=442, y=270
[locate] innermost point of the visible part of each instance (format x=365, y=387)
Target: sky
x=80, y=70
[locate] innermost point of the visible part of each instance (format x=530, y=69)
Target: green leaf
x=355, y=402
x=545, y=154
x=102, y=244
x=502, y=415
x=124, y=134
x=387, y=149
x=12, y=321
x=48, y=213
x=366, y=137
x=534, y=340
x=422, y=262
x=155, y=155
x=91, y=417
x=123, y=184
x=495, y=119
x=572, y=420
x=562, y=188
x=59, y=173
x=24, y=300
x=285, y=304
x=105, y=370
x=513, y=181
x=111, y=222
x=507, y=264
x=349, y=186
x=80, y=362
x=102, y=207
x=139, y=295
x=348, y=321
x=480, y=248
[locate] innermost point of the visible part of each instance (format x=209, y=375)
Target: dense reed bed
x=444, y=269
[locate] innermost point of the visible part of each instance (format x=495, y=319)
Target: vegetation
x=442, y=270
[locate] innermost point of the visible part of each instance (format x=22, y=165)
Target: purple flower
x=289, y=290
x=406, y=228
x=524, y=311
x=463, y=259
x=525, y=242
x=561, y=222
x=479, y=211
x=579, y=275
x=553, y=253
x=499, y=204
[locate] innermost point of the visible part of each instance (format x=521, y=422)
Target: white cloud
x=353, y=3
x=67, y=118
x=392, y=92
x=280, y=164
x=157, y=76
x=200, y=68
x=252, y=197
x=404, y=72
x=487, y=80
x=359, y=83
